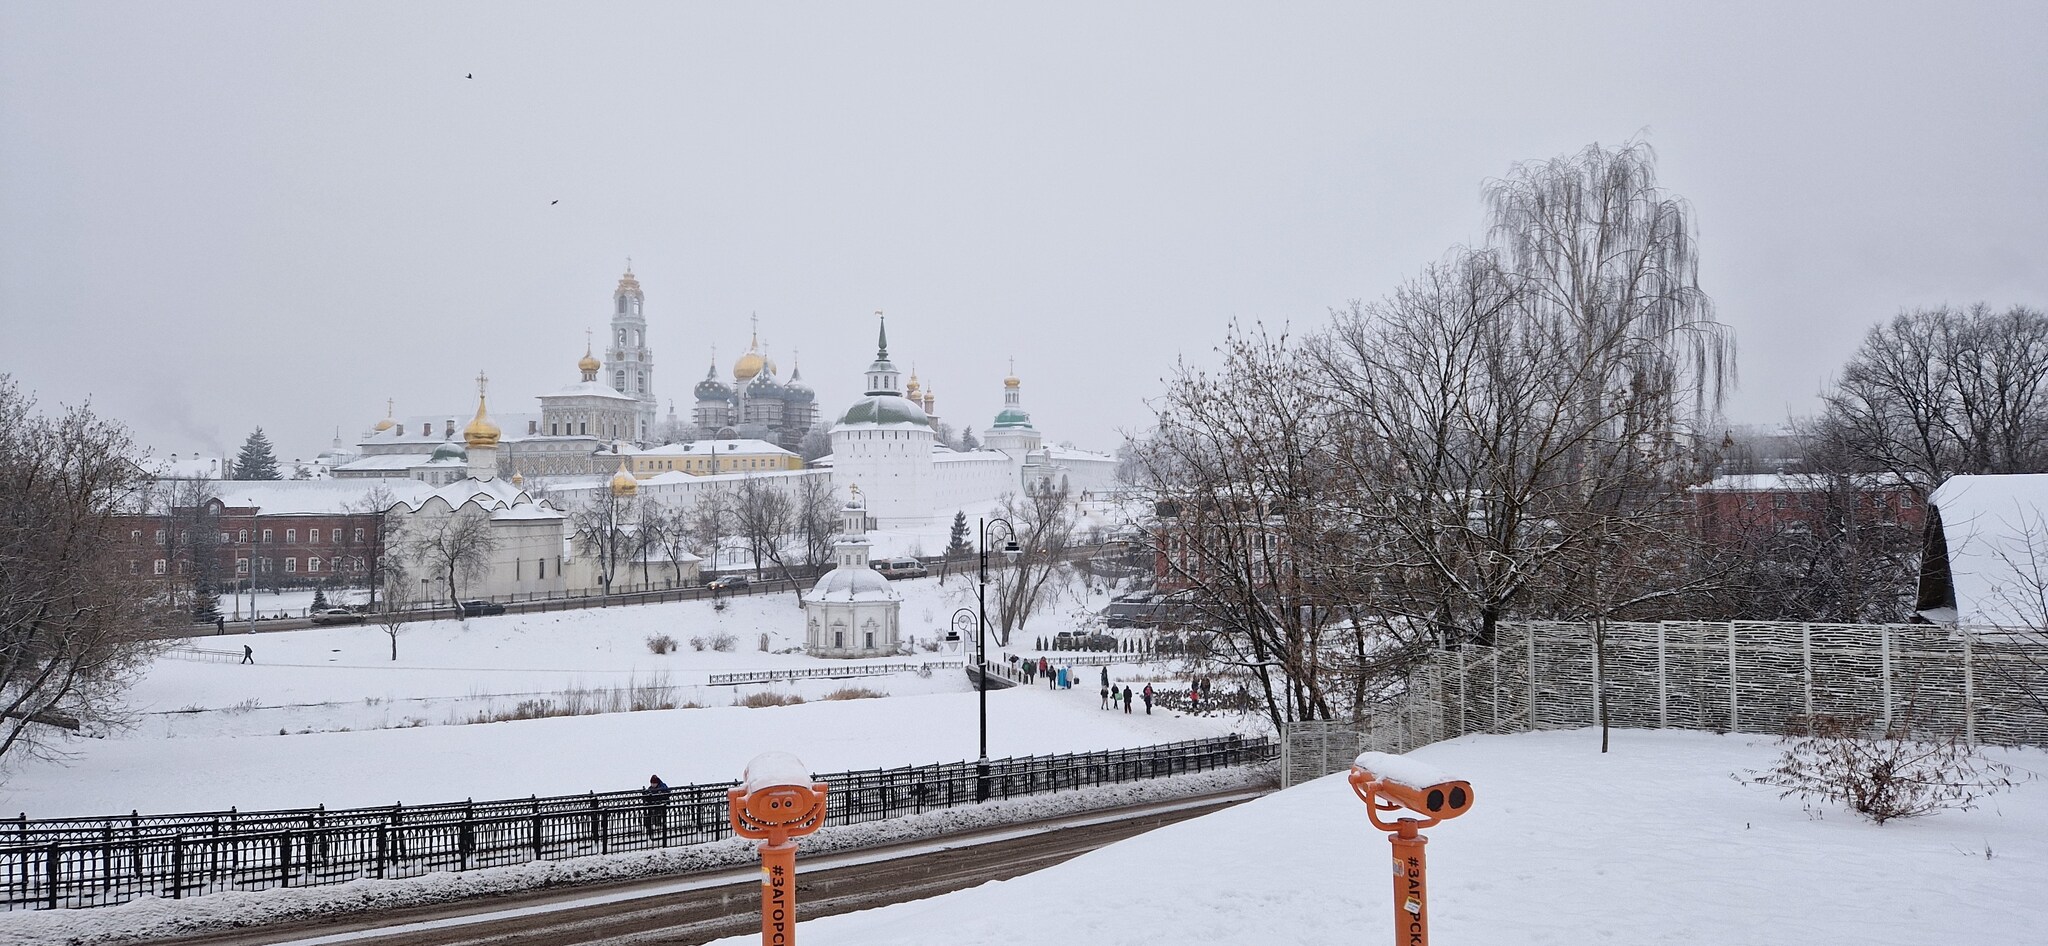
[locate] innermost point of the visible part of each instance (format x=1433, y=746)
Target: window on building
x=159, y=536
x=291, y=565
x=134, y=567
x=159, y=566
x=241, y=566
x=313, y=564
x=242, y=535
x=543, y=566
x=266, y=536
x=224, y=538
x=312, y=535
x=291, y=536
x=359, y=535
x=517, y=565
x=135, y=536
x=263, y=565
x=583, y=428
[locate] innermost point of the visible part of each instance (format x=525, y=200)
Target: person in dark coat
x=1127, y=699
x=220, y=624
x=1105, y=694
x=1148, y=699
x=248, y=654
x=656, y=796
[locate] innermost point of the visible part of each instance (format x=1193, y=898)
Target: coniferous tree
x=256, y=461
x=967, y=439
x=320, y=599
x=956, y=543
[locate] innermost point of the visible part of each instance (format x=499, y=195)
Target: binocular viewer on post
x=1388, y=783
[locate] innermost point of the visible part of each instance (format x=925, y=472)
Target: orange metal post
x=778, y=893
x=1411, y=887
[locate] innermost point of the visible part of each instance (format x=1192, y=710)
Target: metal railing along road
x=48, y=864
x=830, y=673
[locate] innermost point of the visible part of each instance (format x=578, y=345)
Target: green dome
x=450, y=450
x=884, y=409
x=1013, y=417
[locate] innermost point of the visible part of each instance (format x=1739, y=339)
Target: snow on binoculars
x=777, y=799
x=1400, y=782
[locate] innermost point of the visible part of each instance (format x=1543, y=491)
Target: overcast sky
x=215, y=216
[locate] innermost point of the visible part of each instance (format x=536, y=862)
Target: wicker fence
x=88, y=862
x=1742, y=676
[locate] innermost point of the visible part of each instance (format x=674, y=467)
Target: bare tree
x=399, y=598
x=454, y=548
x=74, y=626
x=710, y=521
x=646, y=537
x=1937, y=392
x=369, y=539
x=817, y=517
x=675, y=537
x=600, y=529
x=1044, y=521
x=764, y=517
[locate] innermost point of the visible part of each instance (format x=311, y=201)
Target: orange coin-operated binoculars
x=775, y=803
x=1389, y=783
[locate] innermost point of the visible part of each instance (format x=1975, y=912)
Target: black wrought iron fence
x=88, y=862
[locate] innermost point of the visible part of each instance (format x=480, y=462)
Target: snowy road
x=725, y=903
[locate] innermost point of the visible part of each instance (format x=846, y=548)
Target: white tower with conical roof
x=631, y=361
x=882, y=445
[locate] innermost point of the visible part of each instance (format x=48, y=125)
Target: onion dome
x=910, y=389
x=753, y=362
x=588, y=364
x=712, y=389
x=481, y=432
x=387, y=423
x=797, y=390
x=518, y=480
x=450, y=450
x=623, y=483
x=1013, y=417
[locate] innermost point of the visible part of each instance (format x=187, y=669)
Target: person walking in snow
x=248, y=655
x=1148, y=699
x=1127, y=699
x=1105, y=693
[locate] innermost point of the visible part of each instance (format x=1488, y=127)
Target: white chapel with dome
x=852, y=611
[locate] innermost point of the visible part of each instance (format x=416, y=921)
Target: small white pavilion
x=852, y=611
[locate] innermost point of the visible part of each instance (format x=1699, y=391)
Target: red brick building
x=1731, y=508
x=278, y=533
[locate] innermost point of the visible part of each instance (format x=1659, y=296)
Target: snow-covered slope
x=1651, y=843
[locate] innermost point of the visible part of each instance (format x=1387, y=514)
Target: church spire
x=882, y=374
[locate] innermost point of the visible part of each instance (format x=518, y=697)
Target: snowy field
x=324, y=716
x=1651, y=843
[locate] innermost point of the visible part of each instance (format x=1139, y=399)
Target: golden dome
x=481, y=432
x=910, y=390
x=623, y=483
x=387, y=423
x=588, y=363
x=753, y=362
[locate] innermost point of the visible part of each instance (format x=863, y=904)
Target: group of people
x=1114, y=697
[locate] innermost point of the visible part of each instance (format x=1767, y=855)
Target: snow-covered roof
x=703, y=448
x=1995, y=530
x=590, y=389
x=852, y=584
x=1795, y=482
x=493, y=494
x=1075, y=453
x=189, y=468
x=961, y=456
x=385, y=461
x=313, y=497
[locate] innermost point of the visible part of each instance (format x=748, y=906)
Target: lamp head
x=1011, y=550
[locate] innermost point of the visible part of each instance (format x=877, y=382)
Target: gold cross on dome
x=480, y=382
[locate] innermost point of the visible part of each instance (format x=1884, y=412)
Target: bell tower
x=627, y=354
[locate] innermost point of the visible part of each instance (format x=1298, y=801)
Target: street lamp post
x=1010, y=551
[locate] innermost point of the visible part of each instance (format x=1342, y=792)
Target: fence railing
x=88, y=862
x=830, y=673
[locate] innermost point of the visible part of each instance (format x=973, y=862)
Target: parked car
x=473, y=609
x=337, y=616
x=728, y=583
x=900, y=568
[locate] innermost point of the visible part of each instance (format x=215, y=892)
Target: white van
x=901, y=568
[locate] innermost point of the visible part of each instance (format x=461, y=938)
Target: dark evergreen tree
x=320, y=599
x=256, y=461
x=956, y=544
x=968, y=440
x=205, y=606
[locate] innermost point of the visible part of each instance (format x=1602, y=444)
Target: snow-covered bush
x=724, y=642
x=663, y=644
x=1896, y=775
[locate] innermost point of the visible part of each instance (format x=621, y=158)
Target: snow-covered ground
x=1653, y=842
x=325, y=716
